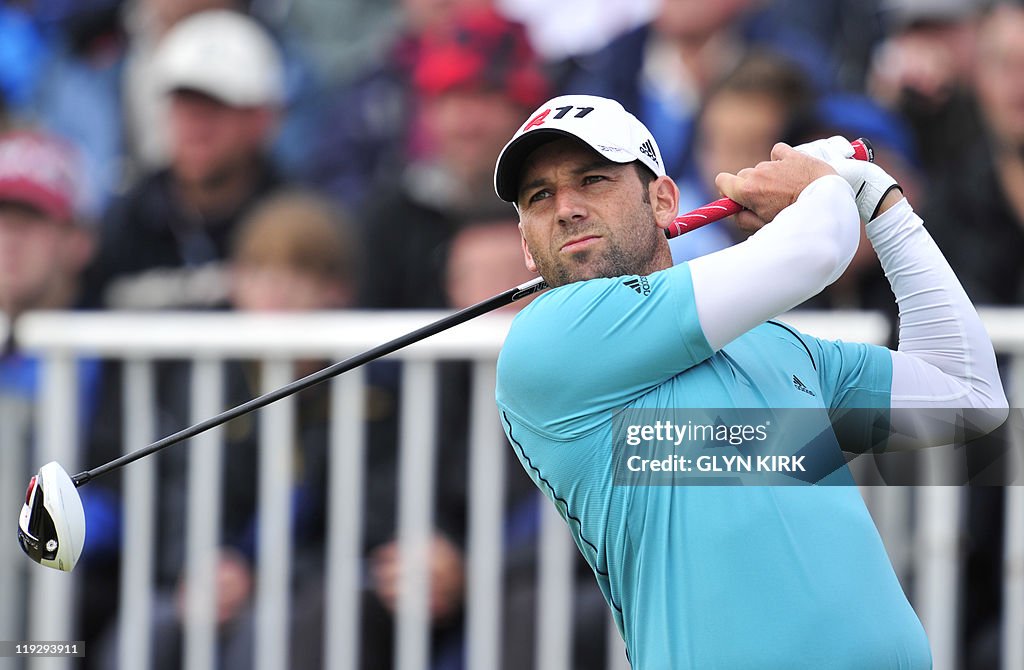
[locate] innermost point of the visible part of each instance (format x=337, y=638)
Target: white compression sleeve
x=806, y=248
x=945, y=357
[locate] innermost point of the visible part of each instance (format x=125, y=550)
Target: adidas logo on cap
x=647, y=149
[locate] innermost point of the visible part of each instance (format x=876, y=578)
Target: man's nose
x=570, y=205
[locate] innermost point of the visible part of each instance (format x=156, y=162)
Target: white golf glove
x=870, y=183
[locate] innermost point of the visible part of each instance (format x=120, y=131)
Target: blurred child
x=292, y=254
x=750, y=110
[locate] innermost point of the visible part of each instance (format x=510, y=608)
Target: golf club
x=51, y=528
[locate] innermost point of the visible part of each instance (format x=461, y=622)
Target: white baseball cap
x=224, y=54
x=601, y=123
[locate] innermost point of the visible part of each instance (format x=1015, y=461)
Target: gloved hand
x=870, y=183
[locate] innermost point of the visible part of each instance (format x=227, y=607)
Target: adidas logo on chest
x=800, y=386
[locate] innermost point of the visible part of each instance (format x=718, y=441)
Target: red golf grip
x=723, y=207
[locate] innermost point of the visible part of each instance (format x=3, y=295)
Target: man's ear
x=664, y=196
x=527, y=256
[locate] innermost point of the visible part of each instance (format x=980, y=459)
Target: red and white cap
x=42, y=172
x=601, y=123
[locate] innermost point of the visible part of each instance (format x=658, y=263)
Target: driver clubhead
x=51, y=528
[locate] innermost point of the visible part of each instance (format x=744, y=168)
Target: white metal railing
x=209, y=339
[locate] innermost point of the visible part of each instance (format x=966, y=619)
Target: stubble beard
x=634, y=252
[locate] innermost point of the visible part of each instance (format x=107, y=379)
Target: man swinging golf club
x=709, y=576
x=720, y=576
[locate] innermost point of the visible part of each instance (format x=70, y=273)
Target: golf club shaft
x=702, y=216
x=489, y=305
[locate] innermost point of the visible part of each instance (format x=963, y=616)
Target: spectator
x=163, y=243
x=370, y=127
x=378, y=599
x=69, y=77
x=985, y=186
x=485, y=258
x=293, y=252
x=483, y=255
x=476, y=78
x=45, y=242
x=145, y=105
x=752, y=108
x=923, y=69
x=976, y=216
x=480, y=262
x=662, y=71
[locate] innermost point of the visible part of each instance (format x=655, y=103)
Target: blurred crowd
x=298, y=155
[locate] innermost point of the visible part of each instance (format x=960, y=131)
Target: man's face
x=737, y=130
x=1000, y=74
x=484, y=260
x=583, y=216
x=211, y=140
x=35, y=254
x=470, y=128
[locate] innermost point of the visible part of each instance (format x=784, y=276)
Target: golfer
x=720, y=576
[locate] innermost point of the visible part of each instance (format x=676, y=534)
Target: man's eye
x=591, y=178
x=539, y=195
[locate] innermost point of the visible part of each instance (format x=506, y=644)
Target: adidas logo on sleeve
x=639, y=284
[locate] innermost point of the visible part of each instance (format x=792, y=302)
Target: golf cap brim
x=600, y=123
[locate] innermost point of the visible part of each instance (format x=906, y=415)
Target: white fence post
x=554, y=592
x=616, y=648
x=487, y=454
x=277, y=441
x=139, y=509
x=51, y=591
x=415, y=514
x=346, y=463
x=15, y=419
x=1013, y=524
x=203, y=526
x=938, y=569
